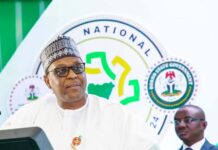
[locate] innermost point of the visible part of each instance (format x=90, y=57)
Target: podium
x=32, y=138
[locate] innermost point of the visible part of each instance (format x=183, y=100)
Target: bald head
x=194, y=109
x=190, y=124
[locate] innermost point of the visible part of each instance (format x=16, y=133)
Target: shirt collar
x=195, y=146
x=69, y=112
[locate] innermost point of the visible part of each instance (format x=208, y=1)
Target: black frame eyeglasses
x=188, y=120
x=77, y=68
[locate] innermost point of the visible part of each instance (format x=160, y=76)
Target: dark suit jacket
x=207, y=146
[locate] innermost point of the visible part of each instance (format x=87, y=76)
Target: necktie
x=188, y=148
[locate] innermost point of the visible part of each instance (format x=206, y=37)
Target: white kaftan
x=100, y=124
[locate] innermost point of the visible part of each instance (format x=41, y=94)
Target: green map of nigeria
x=103, y=90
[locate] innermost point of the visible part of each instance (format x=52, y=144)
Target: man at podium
x=73, y=119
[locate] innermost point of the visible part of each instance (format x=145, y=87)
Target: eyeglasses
x=188, y=120
x=64, y=71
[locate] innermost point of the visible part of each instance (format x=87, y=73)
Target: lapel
x=180, y=148
x=207, y=145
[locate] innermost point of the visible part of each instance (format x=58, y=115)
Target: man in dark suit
x=190, y=124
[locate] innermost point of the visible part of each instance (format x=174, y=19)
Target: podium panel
x=32, y=138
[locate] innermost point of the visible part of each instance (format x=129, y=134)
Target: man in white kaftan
x=70, y=117
x=101, y=125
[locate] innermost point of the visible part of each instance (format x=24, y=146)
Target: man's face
x=70, y=88
x=188, y=125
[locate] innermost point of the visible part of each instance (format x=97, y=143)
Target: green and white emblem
x=171, y=84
